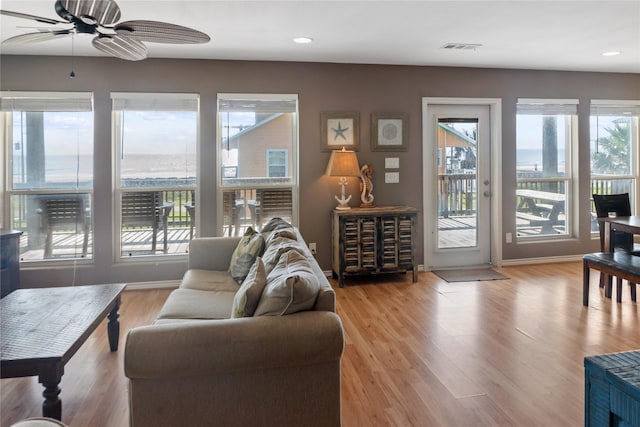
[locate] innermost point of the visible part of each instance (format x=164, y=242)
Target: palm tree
x=612, y=155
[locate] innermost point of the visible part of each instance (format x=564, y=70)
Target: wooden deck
x=457, y=232
x=135, y=243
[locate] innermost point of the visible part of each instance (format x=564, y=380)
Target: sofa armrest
x=187, y=349
x=212, y=253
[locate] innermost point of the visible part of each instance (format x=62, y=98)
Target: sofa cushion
x=250, y=246
x=247, y=297
x=208, y=280
x=276, y=248
x=275, y=224
x=292, y=286
x=195, y=304
x=288, y=233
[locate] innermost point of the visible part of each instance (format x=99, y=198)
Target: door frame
x=428, y=156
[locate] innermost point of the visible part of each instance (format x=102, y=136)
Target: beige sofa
x=196, y=366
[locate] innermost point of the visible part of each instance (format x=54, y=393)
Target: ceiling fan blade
x=31, y=17
x=35, y=37
x=121, y=47
x=161, y=32
x=102, y=12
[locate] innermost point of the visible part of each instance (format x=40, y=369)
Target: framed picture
x=339, y=130
x=389, y=131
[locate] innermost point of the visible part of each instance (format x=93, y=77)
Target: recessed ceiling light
x=611, y=53
x=302, y=40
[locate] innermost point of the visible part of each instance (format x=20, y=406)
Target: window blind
x=155, y=101
x=280, y=104
x=615, y=108
x=46, y=101
x=547, y=106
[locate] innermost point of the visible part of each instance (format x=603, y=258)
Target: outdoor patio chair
x=146, y=209
x=66, y=212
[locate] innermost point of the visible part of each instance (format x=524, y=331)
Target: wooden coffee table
x=41, y=329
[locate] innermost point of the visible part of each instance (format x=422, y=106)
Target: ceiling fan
x=98, y=17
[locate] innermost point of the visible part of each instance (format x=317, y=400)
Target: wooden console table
x=41, y=329
x=373, y=240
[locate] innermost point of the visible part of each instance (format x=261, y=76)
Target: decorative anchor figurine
x=366, y=186
x=343, y=203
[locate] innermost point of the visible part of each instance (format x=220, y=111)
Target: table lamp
x=343, y=163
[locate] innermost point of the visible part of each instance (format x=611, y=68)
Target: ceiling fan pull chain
x=72, y=74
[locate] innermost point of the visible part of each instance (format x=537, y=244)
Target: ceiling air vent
x=461, y=46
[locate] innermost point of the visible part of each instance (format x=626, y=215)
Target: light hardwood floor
x=496, y=353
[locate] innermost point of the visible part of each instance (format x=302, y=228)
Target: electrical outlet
x=312, y=248
x=508, y=238
x=392, y=177
x=392, y=163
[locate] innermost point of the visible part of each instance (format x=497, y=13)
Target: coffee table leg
x=50, y=377
x=113, y=328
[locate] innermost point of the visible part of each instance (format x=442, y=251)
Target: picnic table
x=540, y=208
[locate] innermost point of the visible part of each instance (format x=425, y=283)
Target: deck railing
x=456, y=194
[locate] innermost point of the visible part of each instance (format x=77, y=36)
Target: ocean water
x=80, y=168
x=531, y=159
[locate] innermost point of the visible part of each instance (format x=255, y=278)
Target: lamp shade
x=343, y=163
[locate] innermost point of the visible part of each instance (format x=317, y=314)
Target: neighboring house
x=270, y=154
x=456, y=151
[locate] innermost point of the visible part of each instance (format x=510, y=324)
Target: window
x=49, y=184
x=613, y=141
x=546, y=135
x=277, y=163
x=257, y=146
x=155, y=142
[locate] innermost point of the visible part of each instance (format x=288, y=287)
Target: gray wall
x=321, y=87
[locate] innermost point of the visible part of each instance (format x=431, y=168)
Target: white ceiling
x=541, y=34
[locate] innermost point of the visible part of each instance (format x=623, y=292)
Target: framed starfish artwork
x=340, y=130
x=389, y=131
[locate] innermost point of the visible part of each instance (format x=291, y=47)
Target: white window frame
x=36, y=101
x=138, y=101
x=293, y=185
x=629, y=108
x=269, y=164
x=568, y=107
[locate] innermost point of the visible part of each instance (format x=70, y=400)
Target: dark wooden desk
x=622, y=224
x=41, y=329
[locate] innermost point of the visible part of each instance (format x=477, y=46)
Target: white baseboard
x=541, y=260
x=531, y=261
